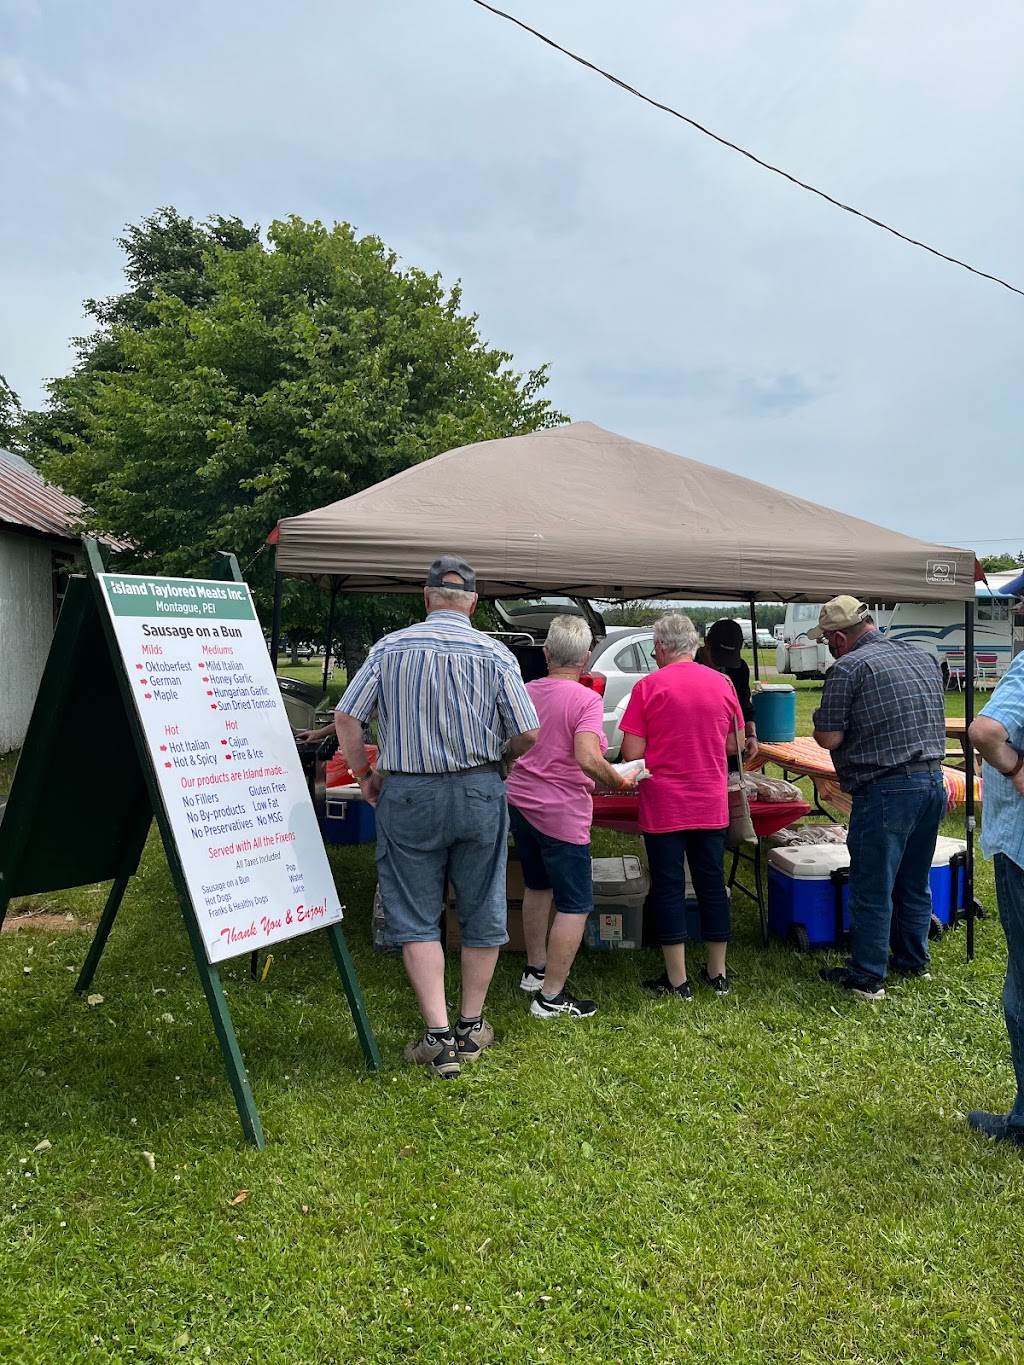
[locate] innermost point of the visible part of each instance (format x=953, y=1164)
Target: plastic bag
x=773, y=788
x=810, y=834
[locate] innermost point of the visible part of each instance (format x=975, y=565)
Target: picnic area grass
x=780, y=1175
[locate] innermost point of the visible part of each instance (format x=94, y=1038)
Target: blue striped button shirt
x=447, y=696
x=1002, y=825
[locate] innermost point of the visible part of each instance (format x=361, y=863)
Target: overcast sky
x=681, y=295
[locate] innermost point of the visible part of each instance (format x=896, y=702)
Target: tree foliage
x=10, y=417
x=240, y=380
x=641, y=613
x=1000, y=563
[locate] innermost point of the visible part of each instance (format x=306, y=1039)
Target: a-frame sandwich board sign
x=163, y=691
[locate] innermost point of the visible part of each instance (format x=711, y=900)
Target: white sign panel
x=226, y=763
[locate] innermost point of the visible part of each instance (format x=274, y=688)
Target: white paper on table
x=634, y=771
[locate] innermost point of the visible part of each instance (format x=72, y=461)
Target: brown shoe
x=442, y=1057
x=472, y=1041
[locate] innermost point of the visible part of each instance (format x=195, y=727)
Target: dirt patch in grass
x=50, y=921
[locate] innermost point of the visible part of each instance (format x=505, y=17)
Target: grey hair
x=676, y=634
x=569, y=641
x=453, y=598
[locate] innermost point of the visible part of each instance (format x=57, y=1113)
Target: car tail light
x=595, y=681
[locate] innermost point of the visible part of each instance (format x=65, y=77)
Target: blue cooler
x=775, y=713
x=947, y=879
x=802, y=893
x=348, y=820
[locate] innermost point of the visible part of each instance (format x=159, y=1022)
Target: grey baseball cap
x=451, y=564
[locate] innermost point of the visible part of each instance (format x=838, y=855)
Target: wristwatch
x=1016, y=767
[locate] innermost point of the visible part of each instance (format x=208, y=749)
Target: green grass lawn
x=312, y=671
x=782, y=1175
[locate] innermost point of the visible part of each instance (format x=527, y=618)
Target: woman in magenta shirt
x=550, y=814
x=680, y=721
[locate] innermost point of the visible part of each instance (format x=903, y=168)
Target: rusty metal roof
x=29, y=503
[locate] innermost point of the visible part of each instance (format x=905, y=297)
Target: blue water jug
x=775, y=714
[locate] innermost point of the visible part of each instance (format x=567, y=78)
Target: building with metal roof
x=39, y=542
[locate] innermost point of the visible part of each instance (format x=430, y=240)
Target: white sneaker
x=532, y=980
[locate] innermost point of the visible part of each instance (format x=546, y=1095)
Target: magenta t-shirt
x=685, y=712
x=547, y=784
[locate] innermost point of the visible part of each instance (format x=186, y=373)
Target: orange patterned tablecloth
x=805, y=758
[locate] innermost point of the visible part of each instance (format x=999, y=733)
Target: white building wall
x=26, y=629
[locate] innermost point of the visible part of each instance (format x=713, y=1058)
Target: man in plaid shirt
x=883, y=718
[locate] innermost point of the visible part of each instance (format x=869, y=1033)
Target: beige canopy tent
x=576, y=509
x=582, y=511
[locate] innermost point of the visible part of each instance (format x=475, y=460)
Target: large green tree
x=241, y=379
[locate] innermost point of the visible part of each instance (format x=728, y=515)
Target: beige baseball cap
x=839, y=614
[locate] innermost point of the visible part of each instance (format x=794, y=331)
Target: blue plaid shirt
x=447, y=697
x=1002, y=824
x=888, y=699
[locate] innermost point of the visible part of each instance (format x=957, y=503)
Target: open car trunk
x=526, y=621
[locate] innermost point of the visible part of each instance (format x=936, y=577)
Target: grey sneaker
x=562, y=1004
x=442, y=1057
x=470, y=1042
x=532, y=979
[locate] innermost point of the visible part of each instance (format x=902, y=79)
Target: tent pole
x=969, y=903
x=753, y=638
x=275, y=626
x=330, y=631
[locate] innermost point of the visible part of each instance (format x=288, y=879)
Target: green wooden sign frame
x=85, y=708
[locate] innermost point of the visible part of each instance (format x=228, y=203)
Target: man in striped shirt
x=998, y=735
x=451, y=710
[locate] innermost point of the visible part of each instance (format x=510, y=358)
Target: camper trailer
x=806, y=658
x=939, y=628
x=935, y=626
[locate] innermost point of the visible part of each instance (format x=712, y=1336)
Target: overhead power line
x=765, y=165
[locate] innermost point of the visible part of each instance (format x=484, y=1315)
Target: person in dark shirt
x=721, y=650
x=882, y=717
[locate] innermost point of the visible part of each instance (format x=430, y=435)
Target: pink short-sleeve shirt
x=685, y=712
x=547, y=784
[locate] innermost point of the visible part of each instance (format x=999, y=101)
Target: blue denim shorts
x=434, y=827
x=553, y=865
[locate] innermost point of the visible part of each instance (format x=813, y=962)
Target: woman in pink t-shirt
x=550, y=814
x=680, y=721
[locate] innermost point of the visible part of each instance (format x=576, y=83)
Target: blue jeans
x=893, y=826
x=550, y=864
x=704, y=851
x=434, y=827
x=1010, y=895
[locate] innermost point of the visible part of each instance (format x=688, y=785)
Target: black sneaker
x=561, y=1004
x=996, y=1126
x=909, y=973
x=719, y=984
x=661, y=985
x=532, y=979
x=846, y=981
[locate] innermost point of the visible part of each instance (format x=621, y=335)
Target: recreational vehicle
x=806, y=658
x=935, y=626
x=939, y=628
